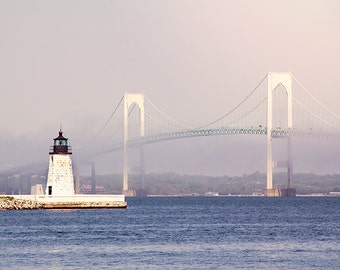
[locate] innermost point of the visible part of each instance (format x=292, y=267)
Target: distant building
x=87, y=189
x=37, y=190
x=258, y=192
x=211, y=193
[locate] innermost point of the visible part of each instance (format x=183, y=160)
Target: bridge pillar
x=142, y=168
x=276, y=79
x=93, y=177
x=130, y=99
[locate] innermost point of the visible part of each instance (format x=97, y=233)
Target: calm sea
x=177, y=233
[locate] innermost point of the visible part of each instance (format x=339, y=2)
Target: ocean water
x=177, y=233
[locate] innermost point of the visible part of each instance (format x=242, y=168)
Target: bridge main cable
x=315, y=99
x=166, y=116
x=105, y=124
x=239, y=105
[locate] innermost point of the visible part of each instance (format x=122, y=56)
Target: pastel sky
x=70, y=61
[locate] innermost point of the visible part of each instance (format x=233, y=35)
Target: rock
x=10, y=203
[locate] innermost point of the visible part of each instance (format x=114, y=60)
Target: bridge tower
x=129, y=100
x=276, y=79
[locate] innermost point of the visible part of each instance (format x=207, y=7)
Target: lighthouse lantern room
x=60, y=180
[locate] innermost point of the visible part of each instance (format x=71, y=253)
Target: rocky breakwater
x=11, y=203
x=30, y=202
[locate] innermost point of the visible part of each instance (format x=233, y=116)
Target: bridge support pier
x=93, y=178
x=278, y=192
x=142, y=167
x=289, y=191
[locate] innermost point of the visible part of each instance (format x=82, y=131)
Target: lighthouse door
x=49, y=190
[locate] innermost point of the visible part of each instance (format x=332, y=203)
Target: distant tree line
x=176, y=184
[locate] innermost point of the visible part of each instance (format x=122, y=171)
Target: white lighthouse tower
x=60, y=180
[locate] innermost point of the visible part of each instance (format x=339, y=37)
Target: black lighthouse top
x=60, y=145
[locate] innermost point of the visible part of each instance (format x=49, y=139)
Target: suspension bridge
x=279, y=106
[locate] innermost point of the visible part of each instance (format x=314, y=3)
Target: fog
x=69, y=63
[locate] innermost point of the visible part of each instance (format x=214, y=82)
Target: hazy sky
x=70, y=62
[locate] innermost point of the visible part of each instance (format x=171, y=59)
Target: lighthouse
x=60, y=180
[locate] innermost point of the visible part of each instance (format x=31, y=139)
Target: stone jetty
x=31, y=202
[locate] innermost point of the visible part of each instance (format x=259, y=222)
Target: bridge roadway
x=276, y=133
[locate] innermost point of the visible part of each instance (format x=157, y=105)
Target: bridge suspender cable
x=227, y=114
x=313, y=114
x=107, y=121
x=322, y=105
x=174, y=121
